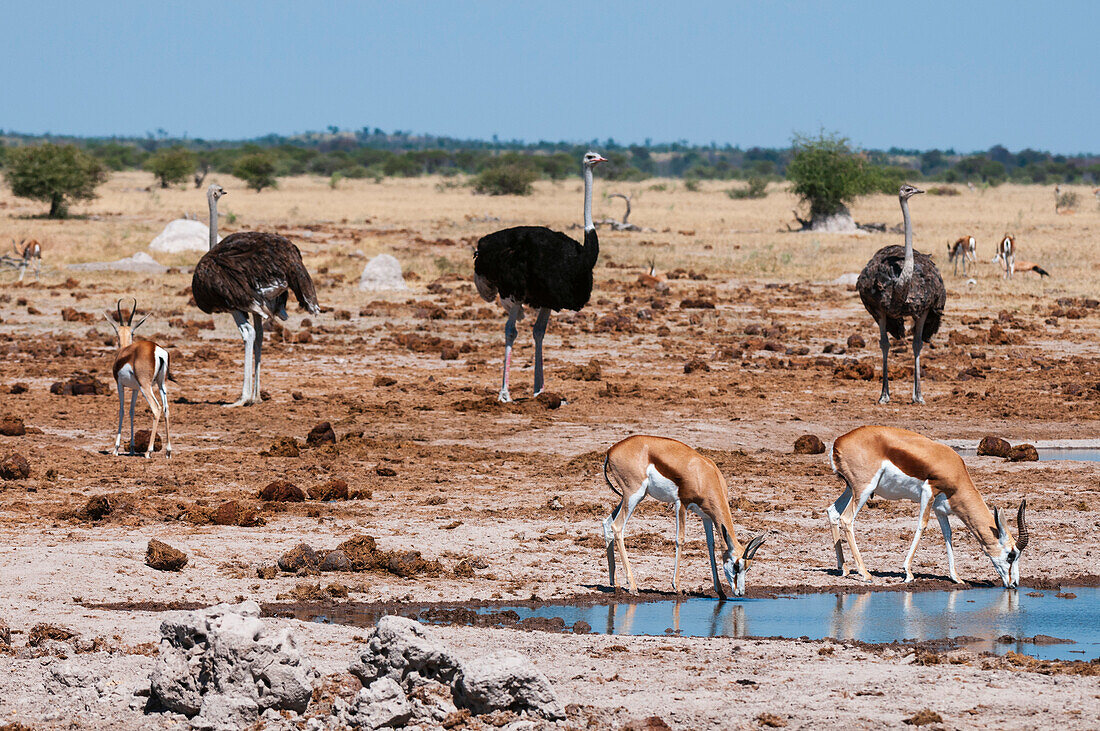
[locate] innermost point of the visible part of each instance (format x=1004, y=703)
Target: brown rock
x=696, y=364
x=233, y=513
x=589, y=372
x=321, y=434
x=409, y=563
x=384, y=381
x=1023, y=453
x=97, y=507
x=42, y=632
x=923, y=718
x=5, y=636
x=337, y=591
x=834, y=349
x=697, y=304
x=163, y=557
x=652, y=723
x=855, y=370
x=68, y=314
x=15, y=467
x=362, y=551
x=335, y=561
x=141, y=442
x=448, y=352
x=463, y=569
x=298, y=558
x=385, y=472
x=770, y=720
x=282, y=491
x=267, y=572
x=12, y=426
x=283, y=447
x=550, y=400
x=993, y=446
x=856, y=341
x=82, y=384
x=19, y=388
x=809, y=444
x=336, y=489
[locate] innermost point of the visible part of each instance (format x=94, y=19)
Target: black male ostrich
x=250, y=272
x=540, y=268
x=898, y=283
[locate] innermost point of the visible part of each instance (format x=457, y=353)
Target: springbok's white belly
x=892, y=484
x=127, y=378
x=660, y=487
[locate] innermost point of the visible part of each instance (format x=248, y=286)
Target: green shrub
x=334, y=179
x=827, y=174
x=171, y=166
x=55, y=174
x=758, y=188
x=508, y=179
x=691, y=184
x=257, y=170
x=943, y=190
x=1069, y=199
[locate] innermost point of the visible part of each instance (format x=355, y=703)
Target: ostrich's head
x=908, y=191
x=592, y=159
x=215, y=191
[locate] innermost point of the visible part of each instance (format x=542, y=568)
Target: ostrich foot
x=504, y=397
x=884, y=398
x=918, y=399
x=242, y=401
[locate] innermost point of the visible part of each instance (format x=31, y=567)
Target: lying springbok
x=674, y=473
x=965, y=249
x=139, y=365
x=896, y=464
x=30, y=252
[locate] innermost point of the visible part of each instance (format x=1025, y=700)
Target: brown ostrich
x=250, y=272
x=898, y=283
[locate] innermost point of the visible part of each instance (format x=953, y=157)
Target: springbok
x=965, y=249
x=139, y=365
x=674, y=473
x=1006, y=254
x=30, y=252
x=896, y=464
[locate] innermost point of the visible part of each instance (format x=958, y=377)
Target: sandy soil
x=511, y=496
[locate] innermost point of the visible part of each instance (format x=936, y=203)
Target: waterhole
x=1077, y=454
x=1045, y=624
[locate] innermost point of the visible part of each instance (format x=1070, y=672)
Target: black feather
x=252, y=272
x=537, y=267
x=881, y=295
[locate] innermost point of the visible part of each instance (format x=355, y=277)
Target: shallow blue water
x=1079, y=454
x=987, y=614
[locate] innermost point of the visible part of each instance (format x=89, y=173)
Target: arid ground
x=746, y=349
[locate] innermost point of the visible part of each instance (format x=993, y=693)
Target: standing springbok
x=964, y=249
x=674, y=473
x=896, y=464
x=138, y=366
x=31, y=253
x=1006, y=254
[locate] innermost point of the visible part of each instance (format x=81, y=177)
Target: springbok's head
x=125, y=327
x=735, y=568
x=908, y=191
x=1007, y=561
x=592, y=159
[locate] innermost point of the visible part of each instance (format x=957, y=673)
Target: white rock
x=506, y=681
x=404, y=651
x=182, y=235
x=382, y=705
x=382, y=273
x=848, y=279
x=139, y=262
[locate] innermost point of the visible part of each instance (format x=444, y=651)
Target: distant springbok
x=28, y=252
x=965, y=249
x=139, y=365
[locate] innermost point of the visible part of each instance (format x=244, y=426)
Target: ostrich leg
x=884, y=343
x=257, y=346
x=539, y=332
x=918, y=342
x=509, y=338
x=248, y=334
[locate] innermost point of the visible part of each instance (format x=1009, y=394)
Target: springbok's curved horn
x=754, y=544
x=133, y=311
x=1021, y=528
x=1000, y=524
x=118, y=310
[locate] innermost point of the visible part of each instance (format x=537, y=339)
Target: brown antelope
x=965, y=249
x=139, y=365
x=31, y=253
x=1006, y=254
x=896, y=464
x=674, y=473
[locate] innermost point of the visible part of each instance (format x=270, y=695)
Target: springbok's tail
x=610, y=484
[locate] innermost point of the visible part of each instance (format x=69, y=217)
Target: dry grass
x=703, y=230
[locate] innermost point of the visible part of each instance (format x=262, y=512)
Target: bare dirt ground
x=747, y=349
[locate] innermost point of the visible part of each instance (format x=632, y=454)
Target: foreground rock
x=12, y=426
x=403, y=655
x=1023, y=453
x=993, y=446
x=162, y=557
x=15, y=467
x=808, y=444
x=227, y=667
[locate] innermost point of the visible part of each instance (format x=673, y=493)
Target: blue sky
x=963, y=75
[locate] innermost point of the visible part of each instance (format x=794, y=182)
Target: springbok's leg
x=164, y=406
x=708, y=528
x=619, y=526
x=678, y=517
x=918, y=343
x=121, y=415
x=154, y=406
x=248, y=334
x=922, y=520
x=509, y=339
x=847, y=520
x=609, y=541
x=133, y=405
x=884, y=344
x=539, y=332
x=257, y=346
x=943, y=517
x=833, y=513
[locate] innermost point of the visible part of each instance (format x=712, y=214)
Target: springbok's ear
x=135, y=327
x=999, y=523
x=110, y=321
